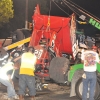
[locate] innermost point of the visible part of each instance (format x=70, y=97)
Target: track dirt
x=52, y=92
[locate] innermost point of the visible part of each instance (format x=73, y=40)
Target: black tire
x=58, y=69
x=79, y=92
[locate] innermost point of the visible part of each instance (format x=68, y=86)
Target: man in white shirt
x=90, y=58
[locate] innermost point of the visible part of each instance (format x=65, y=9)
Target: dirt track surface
x=52, y=92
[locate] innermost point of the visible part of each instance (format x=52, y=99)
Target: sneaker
x=16, y=97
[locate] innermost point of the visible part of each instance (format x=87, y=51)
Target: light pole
x=26, y=15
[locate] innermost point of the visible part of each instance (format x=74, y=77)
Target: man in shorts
x=26, y=74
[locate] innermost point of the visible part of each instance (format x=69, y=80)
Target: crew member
x=6, y=79
x=26, y=74
x=89, y=58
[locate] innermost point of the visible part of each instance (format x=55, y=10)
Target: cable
x=60, y=8
x=73, y=11
x=71, y=8
x=50, y=8
x=75, y=6
x=64, y=11
x=76, y=12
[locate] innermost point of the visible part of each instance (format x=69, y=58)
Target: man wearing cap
x=26, y=74
x=89, y=58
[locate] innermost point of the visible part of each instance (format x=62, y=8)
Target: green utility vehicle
x=75, y=78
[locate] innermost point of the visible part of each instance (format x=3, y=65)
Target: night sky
x=92, y=6
x=18, y=22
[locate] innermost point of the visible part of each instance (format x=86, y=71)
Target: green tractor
x=75, y=78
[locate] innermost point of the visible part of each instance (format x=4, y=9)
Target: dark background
x=92, y=6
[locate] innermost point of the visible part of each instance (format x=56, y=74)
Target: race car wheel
x=78, y=89
x=58, y=69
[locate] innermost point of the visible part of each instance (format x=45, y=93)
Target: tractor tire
x=78, y=89
x=58, y=69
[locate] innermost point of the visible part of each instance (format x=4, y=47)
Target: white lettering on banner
x=38, y=53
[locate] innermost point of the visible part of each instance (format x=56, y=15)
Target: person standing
x=90, y=58
x=6, y=79
x=26, y=74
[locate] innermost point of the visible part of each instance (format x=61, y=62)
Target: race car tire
x=58, y=69
x=78, y=89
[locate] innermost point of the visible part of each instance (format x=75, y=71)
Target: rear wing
x=64, y=28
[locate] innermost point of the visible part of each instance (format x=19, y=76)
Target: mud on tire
x=58, y=69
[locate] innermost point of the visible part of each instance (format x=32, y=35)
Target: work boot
x=16, y=97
